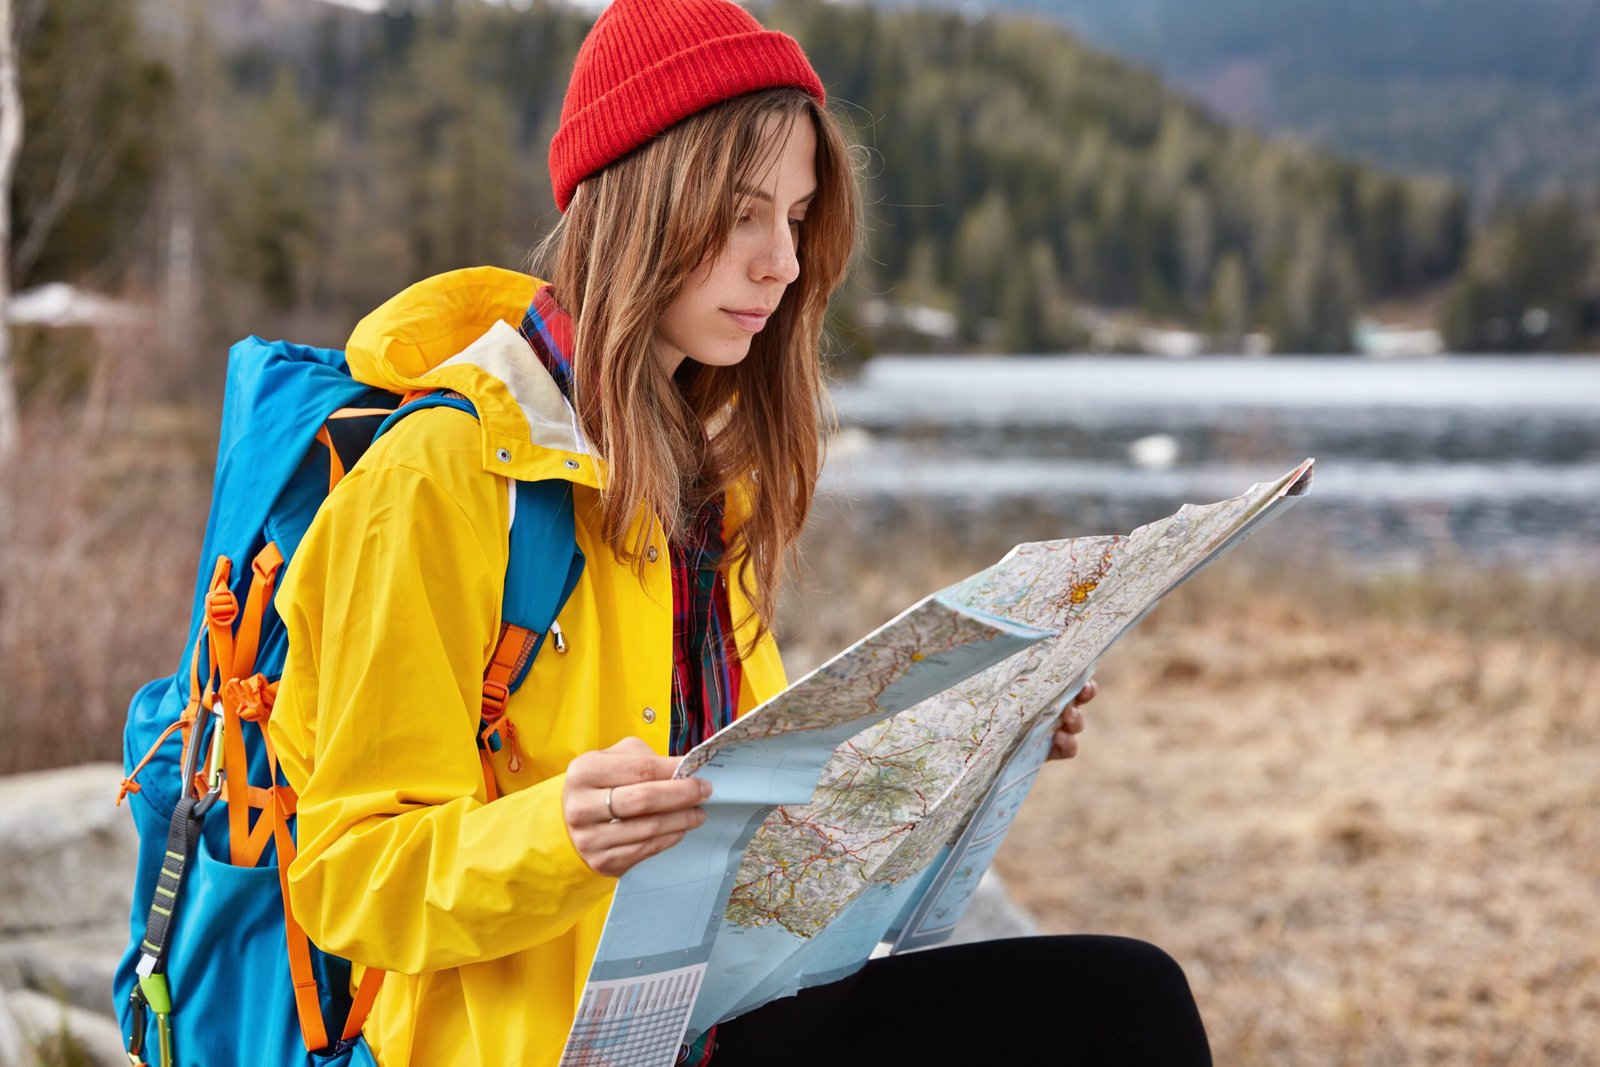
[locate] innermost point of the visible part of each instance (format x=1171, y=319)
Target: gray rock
x=43, y=1019
x=76, y=968
x=66, y=853
x=13, y=1051
x=992, y=914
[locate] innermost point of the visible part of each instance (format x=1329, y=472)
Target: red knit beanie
x=647, y=64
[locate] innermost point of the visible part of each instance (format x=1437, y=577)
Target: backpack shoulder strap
x=543, y=535
x=543, y=528
x=442, y=398
x=543, y=566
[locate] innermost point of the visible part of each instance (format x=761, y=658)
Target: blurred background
x=1120, y=255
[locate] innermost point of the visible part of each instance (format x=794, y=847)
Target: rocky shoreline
x=66, y=868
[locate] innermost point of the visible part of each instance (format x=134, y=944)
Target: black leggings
x=1046, y=1000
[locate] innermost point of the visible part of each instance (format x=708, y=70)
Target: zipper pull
x=555, y=634
x=508, y=730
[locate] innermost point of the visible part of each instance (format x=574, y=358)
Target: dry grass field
x=1364, y=814
x=100, y=527
x=1369, y=841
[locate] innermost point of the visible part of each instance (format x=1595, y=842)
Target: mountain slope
x=1505, y=96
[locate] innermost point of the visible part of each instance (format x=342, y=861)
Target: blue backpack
x=217, y=971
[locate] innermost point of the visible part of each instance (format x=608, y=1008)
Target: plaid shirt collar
x=548, y=330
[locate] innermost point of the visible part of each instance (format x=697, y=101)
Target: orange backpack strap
x=308, y=1006
x=233, y=656
x=511, y=655
x=361, y=1007
x=302, y=975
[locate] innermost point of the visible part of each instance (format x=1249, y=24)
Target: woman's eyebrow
x=762, y=194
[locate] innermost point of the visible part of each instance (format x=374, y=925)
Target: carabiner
x=164, y=1040
x=136, y=1038
x=213, y=764
x=159, y=997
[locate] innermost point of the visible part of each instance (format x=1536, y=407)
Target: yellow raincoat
x=484, y=913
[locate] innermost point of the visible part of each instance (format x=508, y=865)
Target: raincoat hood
x=459, y=331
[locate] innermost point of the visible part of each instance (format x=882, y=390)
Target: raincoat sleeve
x=391, y=605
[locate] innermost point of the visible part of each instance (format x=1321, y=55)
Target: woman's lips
x=747, y=321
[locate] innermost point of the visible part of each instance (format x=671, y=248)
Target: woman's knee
x=1151, y=965
x=1119, y=971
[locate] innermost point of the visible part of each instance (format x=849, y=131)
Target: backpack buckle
x=222, y=607
x=495, y=695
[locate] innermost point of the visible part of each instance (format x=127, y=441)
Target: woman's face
x=725, y=301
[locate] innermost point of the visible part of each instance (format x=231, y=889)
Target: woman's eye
x=797, y=223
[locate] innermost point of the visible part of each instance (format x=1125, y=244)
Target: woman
x=669, y=372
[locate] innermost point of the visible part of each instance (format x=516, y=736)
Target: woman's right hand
x=648, y=811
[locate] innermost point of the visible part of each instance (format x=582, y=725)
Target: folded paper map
x=855, y=811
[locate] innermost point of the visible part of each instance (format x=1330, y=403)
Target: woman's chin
x=725, y=356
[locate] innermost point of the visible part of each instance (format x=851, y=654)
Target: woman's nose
x=780, y=257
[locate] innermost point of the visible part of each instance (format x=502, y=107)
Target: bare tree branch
x=79, y=148
x=10, y=146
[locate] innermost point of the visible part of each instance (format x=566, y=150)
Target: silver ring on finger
x=609, y=810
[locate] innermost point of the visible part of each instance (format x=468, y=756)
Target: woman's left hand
x=1065, y=743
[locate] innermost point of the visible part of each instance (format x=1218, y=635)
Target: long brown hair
x=632, y=235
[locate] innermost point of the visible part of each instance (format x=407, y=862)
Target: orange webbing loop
x=192, y=709
x=262, y=831
x=308, y=1006
x=361, y=1006
x=491, y=790
x=265, y=572
x=243, y=700
x=256, y=843
x=128, y=783
x=222, y=609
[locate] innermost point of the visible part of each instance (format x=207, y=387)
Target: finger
x=1090, y=690
x=636, y=763
x=595, y=840
x=1071, y=720
x=634, y=831
x=1063, y=745
x=616, y=861
x=645, y=798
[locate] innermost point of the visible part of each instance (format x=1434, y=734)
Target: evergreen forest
x=260, y=166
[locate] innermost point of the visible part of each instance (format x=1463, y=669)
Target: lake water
x=1448, y=461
